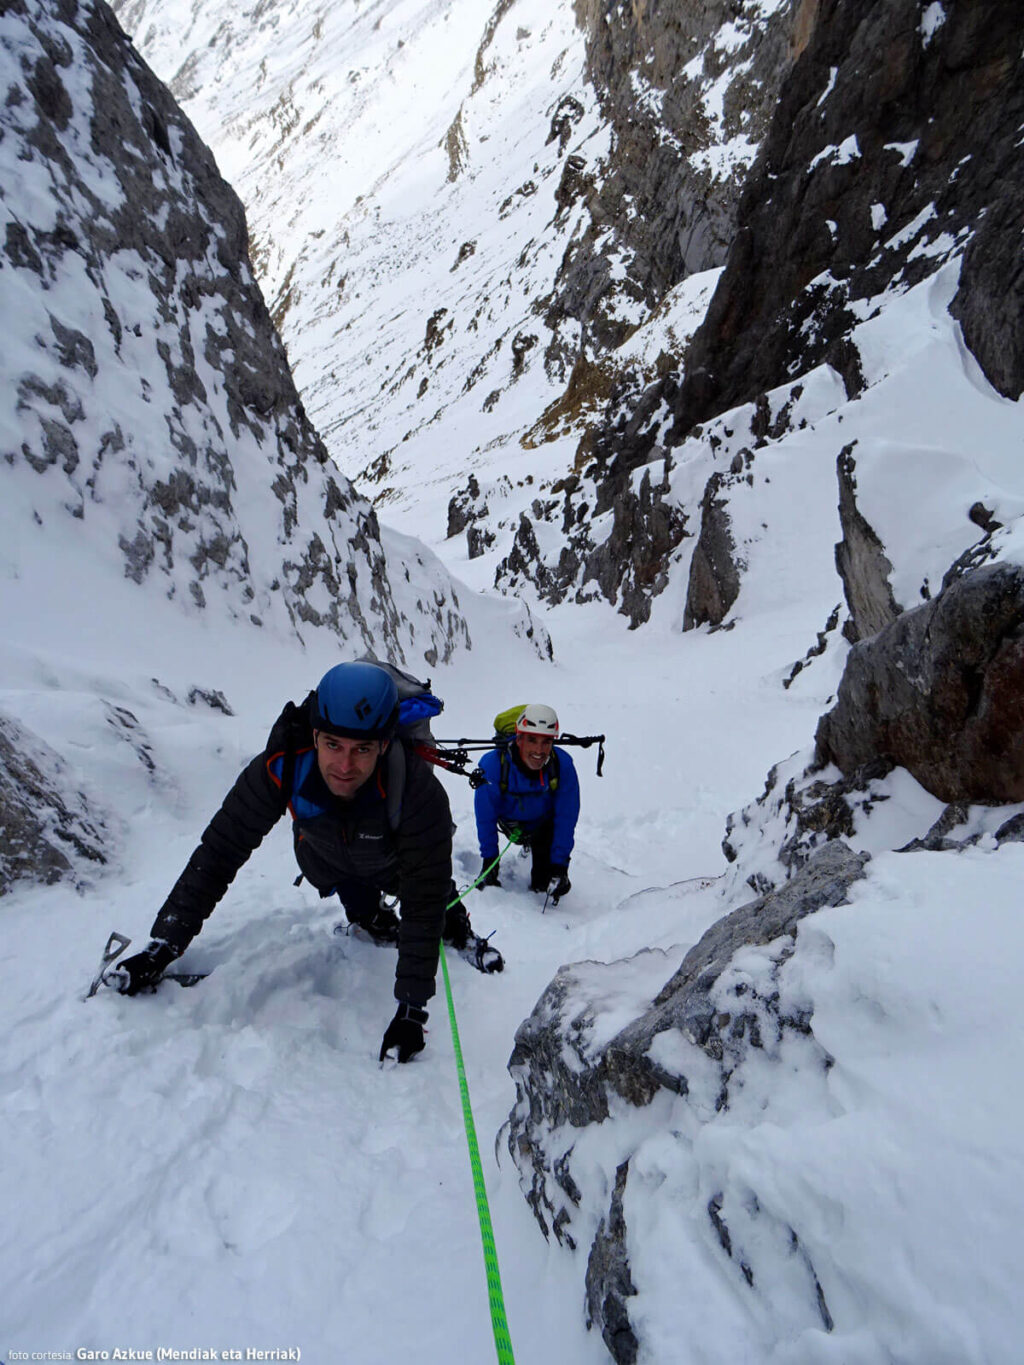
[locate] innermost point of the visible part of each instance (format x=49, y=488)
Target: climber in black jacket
x=369, y=817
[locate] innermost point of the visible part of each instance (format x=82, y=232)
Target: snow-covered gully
x=747, y=1092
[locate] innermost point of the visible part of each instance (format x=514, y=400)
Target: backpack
x=505, y=721
x=417, y=707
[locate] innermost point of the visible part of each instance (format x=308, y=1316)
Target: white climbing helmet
x=537, y=720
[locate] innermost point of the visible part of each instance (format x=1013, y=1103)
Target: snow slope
x=228, y=1167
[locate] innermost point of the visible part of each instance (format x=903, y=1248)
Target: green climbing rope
x=499, y=1323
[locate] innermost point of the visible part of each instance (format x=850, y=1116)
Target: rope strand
x=496, y=1299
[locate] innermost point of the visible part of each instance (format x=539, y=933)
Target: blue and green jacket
x=529, y=801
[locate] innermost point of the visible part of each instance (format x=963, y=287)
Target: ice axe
x=116, y=944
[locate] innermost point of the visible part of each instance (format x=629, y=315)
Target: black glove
x=559, y=884
x=405, y=1032
x=143, y=970
x=491, y=879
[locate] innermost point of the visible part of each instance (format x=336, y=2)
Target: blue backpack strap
x=292, y=735
x=299, y=807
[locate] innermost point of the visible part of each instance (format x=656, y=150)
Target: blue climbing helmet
x=357, y=700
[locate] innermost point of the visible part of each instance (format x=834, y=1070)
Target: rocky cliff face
x=876, y=172
x=49, y=830
x=146, y=389
x=688, y=93
x=584, y=162
x=613, y=1120
x=521, y=314
x=940, y=692
x=149, y=425
x=893, y=148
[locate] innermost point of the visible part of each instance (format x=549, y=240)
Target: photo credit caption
x=163, y=1353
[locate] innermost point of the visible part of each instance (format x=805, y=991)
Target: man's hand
x=143, y=970
x=559, y=884
x=405, y=1032
x=491, y=877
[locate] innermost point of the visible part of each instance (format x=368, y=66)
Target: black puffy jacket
x=407, y=853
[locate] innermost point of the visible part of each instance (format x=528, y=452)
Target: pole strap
x=496, y=1299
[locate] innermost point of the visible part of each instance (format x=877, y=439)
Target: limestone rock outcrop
x=893, y=149
x=702, y=1031
x=940, y=692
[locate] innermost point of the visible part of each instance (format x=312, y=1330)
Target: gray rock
x=629, y=568
x=464, y=507
x=564, y=1082
x=49, y=830
x=959, y=99
x=555, y=1085
x=940, y=692
x=795, y=818
x=211, y=697
x=653, y=202
x=714, y=570
x=816, y=650
x=609, y=1282
x=138, y=212
x=782, y=305
x=861, y=561
x=685, y=1001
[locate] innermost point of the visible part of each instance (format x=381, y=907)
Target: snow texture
x=227, y=1167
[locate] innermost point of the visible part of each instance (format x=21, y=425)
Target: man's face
x=345, y=764
x=535, y=750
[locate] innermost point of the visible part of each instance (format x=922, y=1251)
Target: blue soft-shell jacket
x=529, y=802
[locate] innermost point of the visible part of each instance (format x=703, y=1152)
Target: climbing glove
x=491, y=878
x=559, y=884
x=405, y=1032
x=143, y=970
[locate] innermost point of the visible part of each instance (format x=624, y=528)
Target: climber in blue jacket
x=531, y=788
